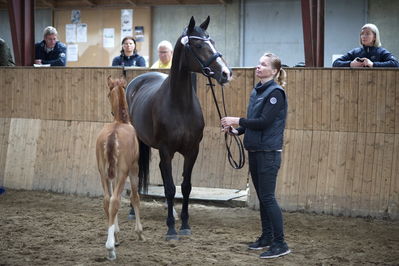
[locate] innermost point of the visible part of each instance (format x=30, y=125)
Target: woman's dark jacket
x=380, y=57
x=266, y=116
x=134, y=60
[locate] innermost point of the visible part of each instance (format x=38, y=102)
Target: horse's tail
x=144, y=166
x=111, y=154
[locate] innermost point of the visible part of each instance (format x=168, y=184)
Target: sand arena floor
x=40, y=228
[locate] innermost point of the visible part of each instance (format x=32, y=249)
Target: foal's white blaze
x=219, y=60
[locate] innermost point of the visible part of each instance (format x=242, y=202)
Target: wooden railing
x=341, y=152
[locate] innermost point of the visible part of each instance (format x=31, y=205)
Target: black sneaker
x=276, y=250
x=259, y=244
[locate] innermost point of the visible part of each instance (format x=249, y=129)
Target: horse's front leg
x=189, y=161
x=170, y=190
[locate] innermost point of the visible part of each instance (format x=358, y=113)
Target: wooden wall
x=92, y=53
x=341, y=152
x=341, y=148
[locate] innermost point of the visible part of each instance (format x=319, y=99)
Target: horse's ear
x=110, y=82
x=205, y=24
x=191, y=25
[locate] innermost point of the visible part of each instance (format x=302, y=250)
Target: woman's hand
x=229, y=121
x=357, y=62
x=367, y=62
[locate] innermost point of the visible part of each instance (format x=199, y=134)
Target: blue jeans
x=264, y=166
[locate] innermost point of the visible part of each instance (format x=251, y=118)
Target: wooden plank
x=390, y=102
x=322, y=171
x=311, y=197
x=336, y=98
x=386, y=175
x=352, y=102
x=304, y=171
x=358, y=175
x=291, y=98
x=371, y=122
x=282, y=187
x=339, y=185
x=326, y=94
x=349, y=175
x=308, y=101
x=393, y=206
x=4, y=135
x=295, y=170
x=331, y=173
x=376, y=177
x=397, y=103
x=317, y=100
x=362, y=102
x=367, y=178
x=380, y=101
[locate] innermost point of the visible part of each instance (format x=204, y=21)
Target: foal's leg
x=135, y=199
x=114, y=206
x=189, y=161
x=170, y=190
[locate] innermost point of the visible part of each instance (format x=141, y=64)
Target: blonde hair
x=281, y=75
x=374, y=29
x=49, y=30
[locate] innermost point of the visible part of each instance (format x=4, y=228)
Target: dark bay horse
x=167, y=114
x=117, y=152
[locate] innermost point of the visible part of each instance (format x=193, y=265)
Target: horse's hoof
x=131, y=217
x=111, y=255
x=171, y=237
x=117, y=243
x=185, y=232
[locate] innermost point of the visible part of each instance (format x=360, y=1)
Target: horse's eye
x=199, y=46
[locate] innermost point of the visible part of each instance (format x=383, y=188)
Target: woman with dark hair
x=129, y=56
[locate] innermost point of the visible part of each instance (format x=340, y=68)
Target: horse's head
x=117, y=98
x=201, y=53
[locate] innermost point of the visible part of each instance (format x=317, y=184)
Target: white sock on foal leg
x=110, y=244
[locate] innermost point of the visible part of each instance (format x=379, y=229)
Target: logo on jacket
x=273, y=100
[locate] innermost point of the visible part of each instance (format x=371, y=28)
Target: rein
x=241, y=161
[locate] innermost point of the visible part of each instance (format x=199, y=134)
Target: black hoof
x=185, y=232
x=131, y=217
x=171, y=237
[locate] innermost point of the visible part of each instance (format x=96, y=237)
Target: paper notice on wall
x=72, y=52
x=75, y=16
x=126, y=23
x=108, y=37
x=70, y=32
x=81, y=32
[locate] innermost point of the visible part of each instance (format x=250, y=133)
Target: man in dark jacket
x=50, y=50
x=5, y=54
x=371, y=54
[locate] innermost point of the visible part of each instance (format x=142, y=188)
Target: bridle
x=207, y=72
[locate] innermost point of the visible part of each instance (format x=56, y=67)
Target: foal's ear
x=110, y=82
x=205, y=24
x=122, y=81
x=191, y=25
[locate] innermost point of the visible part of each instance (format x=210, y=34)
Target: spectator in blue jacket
x=50, y=50
x=370, y=54
x=129, y=56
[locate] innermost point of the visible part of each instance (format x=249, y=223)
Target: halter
x=207, y=72
x=204, y=65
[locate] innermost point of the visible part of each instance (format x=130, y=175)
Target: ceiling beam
x=48, y=3
x=132, y=2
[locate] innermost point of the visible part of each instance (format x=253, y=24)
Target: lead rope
x=241, y=160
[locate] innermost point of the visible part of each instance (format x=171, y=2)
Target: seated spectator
x=165, y=53
x=129, y=56
x=371, y=54
x=5, y=54
x=50, y=50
